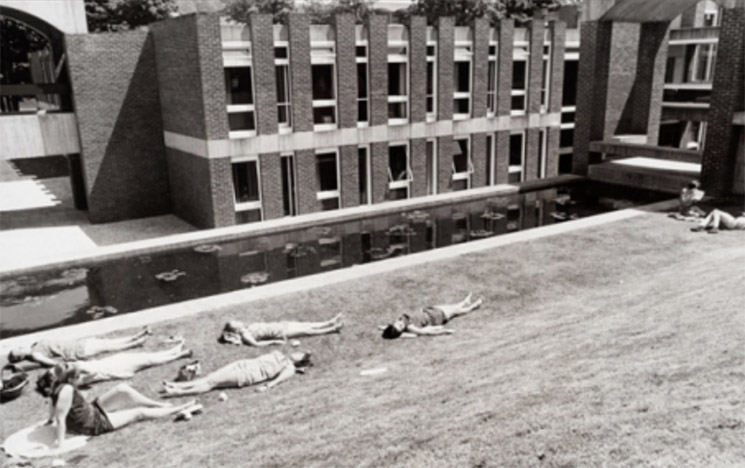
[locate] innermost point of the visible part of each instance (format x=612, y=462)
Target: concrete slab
x=25, y=194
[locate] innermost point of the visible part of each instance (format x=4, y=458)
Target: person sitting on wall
x=430, y=320
x=719, y=219
x=125, y=365
x=689, y=196
x=48, y=352
x=269, y=370
x=275, y=333
x=116, y=408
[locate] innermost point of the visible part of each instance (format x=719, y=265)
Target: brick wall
x=418, y=149
x=622, y=68
x=445, y=68
x=557, y=34
x=418, y=68
x=727, y=97
x=302, y=97
x=264, y=73
x=271, y=185
x=346, y=71
x=536, y=32
x=349, y=175
x=445, y=150
x=479, y=178
x=532, y=143
x=379, y=171
x=377, y=52
x=480, y=65
x=305, y=177
x=121, y=133
x=504, y=66
x=502, y=156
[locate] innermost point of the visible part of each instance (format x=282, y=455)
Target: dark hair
x=305, y=361
x=694, y=184
x=14, y=357
x=61, y=374
x=391, y=332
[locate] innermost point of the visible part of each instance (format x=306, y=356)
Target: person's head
x=693, y=184
x=61, y=374
x=394, y=330
x=19, y=354
x=301, y=360
x=231, y=332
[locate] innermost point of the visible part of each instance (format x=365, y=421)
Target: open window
x=327, y=173
x=399, y=171
x=462, y=167
x=398, y=83
x=517, y=157
x=247, y=190
x=240, y=101
x=519, y=80
x=462, y=81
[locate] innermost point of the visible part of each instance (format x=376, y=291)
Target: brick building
x=224, y=123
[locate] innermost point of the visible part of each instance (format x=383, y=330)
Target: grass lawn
x=619, y=345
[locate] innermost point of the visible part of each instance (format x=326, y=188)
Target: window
x=490, y=162
x=364, y=174
x=240, y=101
x=491, y=85
x=282, y=66
x=546, y=77
x=324, y=96
x=399, y=173
x=703, y=63
x=461, y=166
x=542, y=154
x=462, y=81
x=431, y=80
x=517, y=157
x=397, y=84
x=363, y=114
x=328, y=180
x=247, y=189
x=569, y=93
x=519, y=80
x=288, y=185
x=431, y=167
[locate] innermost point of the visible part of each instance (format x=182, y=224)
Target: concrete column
x=557, y=34
x=650, y=80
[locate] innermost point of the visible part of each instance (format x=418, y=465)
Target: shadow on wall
x=118, y=109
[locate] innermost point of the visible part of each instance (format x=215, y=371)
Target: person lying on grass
x=125, y=365
x=689, y=196
x=720, y=219
x=49, y=352
x=430, y=320
x=267, y=371
x=275, y=333
x=116, y=408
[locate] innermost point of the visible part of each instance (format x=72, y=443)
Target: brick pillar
x=377, y=51
x=417, y=69
x=592, y=90
x=445, y=149
x=532, y=143
x=557, y=34
x=445, y=59
x=301, y=86
x=479, y=178
x=379, y=169
x=271, y=185
x=650, y=80
x=418, y=148
x=504, y=66
x=305, y=178
x=536, y=34
x=502, y=156
x=264, y=73
x=350, y=183
x=727, y=97
x=622, y=74
x=346, y=72
x=480, y=65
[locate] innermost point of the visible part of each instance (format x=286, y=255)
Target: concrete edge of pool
x=245, y=296
x=275, y=226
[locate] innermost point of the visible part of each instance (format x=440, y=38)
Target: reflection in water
x=63, y=297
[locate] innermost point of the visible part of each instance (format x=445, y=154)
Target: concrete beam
x=626, y=150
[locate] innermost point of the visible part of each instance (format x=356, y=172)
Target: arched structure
x=67, y=17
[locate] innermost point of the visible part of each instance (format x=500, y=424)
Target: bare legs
x=118, y=398
x=463, y=307
x=715, y=220
x=298, y=329
x=127, y=364
x=224, y=377
x=94, y=346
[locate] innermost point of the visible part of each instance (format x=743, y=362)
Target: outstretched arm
x=42, y=359
x=286, y=373
x=429, y=331
x=251, y=341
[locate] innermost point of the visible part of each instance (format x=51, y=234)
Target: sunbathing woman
x=272, y=368
x=120, y=406
x=430, y=320
x=49, y=352
x=720, y=219
x=125, y=365
x=275, y=333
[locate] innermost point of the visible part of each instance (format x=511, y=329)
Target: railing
x=32, y=98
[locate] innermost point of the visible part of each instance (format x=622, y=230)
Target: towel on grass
x=38, y=441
